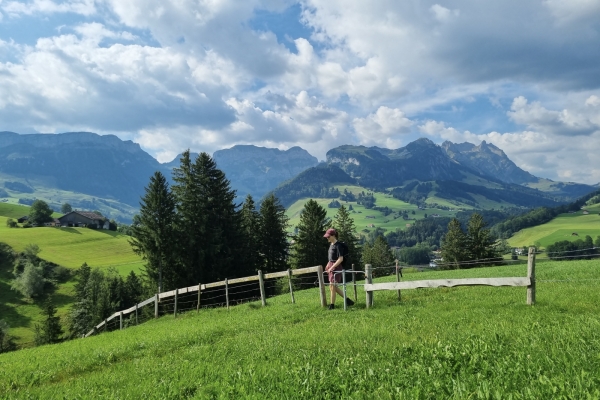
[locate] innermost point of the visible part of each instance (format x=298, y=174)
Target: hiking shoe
x=331, y=306
x=349, y=302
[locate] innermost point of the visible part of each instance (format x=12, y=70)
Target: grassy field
x=561, y=228
x=451, y=343
x=69, y=247
x=367, y=220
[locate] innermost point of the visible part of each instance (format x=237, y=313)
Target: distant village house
x=84, y=219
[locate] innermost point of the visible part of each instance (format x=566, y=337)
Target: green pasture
x=444, y=343
x=563, y=227
x=364, y=218
x=71, y=247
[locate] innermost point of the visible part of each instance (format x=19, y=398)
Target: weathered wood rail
x=260, y=278
x=528, y=281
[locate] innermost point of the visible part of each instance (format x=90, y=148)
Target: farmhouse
x=54, y=222
x=585, y=212
x=84, y=219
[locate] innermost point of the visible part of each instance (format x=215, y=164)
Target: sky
x=210, y=74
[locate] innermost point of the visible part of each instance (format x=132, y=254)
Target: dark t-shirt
x=336, y=251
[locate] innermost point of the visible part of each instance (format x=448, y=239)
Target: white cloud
x=443, y=14
x=384, y=128
x=564, y=122
x=82, y=7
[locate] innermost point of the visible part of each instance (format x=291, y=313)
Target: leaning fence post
x=321, y=286
x=121, y=320
x=291, y=286
x=531, y=276
x=398, y=279
x=136, y=314
x=105, y=325
x=156, y=305
x=369, y=280
x=227, y=292
x=199, y=292
x=175, y=308
x=261, y=282
x=354, y=283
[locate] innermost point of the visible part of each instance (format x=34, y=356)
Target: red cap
x=330, y=232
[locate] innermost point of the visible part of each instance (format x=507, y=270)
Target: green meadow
x=69, y=247
x=445, y=343
x=366, y=220
x=560, y=228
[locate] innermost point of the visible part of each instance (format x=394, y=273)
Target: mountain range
x=109, y=174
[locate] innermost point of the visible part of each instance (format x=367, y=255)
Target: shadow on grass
x=70, y=230
x=10, y=300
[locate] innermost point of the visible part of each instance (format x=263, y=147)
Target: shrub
x=30, y=283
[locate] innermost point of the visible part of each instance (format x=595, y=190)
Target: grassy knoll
x=561, y=228
x=71, y=247
x=470, y=342
x=364, y=218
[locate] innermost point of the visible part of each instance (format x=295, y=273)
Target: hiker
x=335, y=266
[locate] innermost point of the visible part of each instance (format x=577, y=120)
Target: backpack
x=347, y=263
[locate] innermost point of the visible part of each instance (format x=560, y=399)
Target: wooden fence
x=260, y=277
x=528, y=281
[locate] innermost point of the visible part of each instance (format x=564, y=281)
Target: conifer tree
x=153, y=238
x=49, y=331
x=454, y=244
x=379, y=255
x=344, y=224
x=310, y=247
x=480, y=243
x=273, y=236
x=250, y=227
x=221, y=235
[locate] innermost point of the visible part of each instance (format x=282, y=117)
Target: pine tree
x=250, y=227
x=221, y=235
x=379, y=255
x=153, y=238
x=310, y=247
x=49, y=331
x=480, y=243
x=454, y=244
x=344, y=224
x=273, y=236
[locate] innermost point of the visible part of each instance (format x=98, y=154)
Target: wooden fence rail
x=528, y=281
x=260, y=277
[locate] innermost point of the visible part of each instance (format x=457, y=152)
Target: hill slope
x=478, y=342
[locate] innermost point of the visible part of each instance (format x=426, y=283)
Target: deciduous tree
x=40, y=212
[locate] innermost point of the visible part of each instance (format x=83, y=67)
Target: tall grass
x=468, y=342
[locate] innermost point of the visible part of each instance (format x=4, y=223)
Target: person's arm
x=336, y=263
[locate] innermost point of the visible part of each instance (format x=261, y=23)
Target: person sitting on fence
x=335, y=266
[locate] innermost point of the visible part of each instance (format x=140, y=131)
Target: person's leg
x=333, y=289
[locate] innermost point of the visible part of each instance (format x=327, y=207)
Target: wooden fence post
x=369, y=280
x=321, y=286
x=175, y=308
x=261, y=283
x=398, y=279
x=291, y=286
x=199, y=292
x=105, y=325
x=156, y=305
x=121, y=320
x=136, y=314
x=531, y=275
x=227, y=293
x=354, y=283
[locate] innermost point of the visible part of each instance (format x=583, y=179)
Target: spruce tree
x=480, y=242
x=379, y=255
x=250, y=227
x=454, y=244
x=344, y=224
x=310, y=247
x=153, y=237
x=49, y=331
x=221, y=235
x=273, y=234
